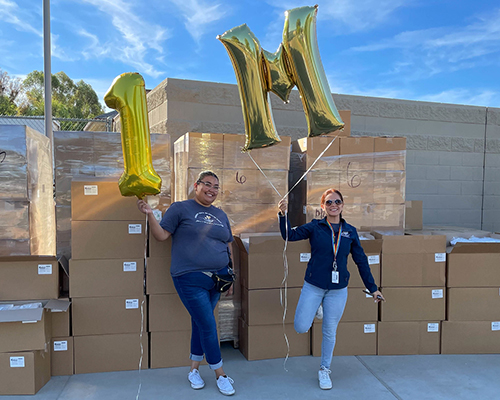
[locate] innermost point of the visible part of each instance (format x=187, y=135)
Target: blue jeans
x=333, y=307
x=198, y=294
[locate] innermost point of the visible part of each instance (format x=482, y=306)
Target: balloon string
x=284, y=283
x=142, y=306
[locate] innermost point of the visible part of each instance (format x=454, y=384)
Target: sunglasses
x=337, y=202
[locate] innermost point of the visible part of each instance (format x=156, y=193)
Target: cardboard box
x=474, y=265
x=158, y=249
x=473, y=304
x=167, y=313
x=108, y=315
x=29, y=328
x=158, y=278
x=313, y=147
x=409, y=260
x=170, y=349
x=359, y=152
x=470, y=337
x=29, y=277
x=414, y=214
x=390, y=153
x=107, y=353
x=372, y=249
x=61, y=321
x=253, y=347
x=263, y=306
x=262, y=265
x=360, y=307
x=107, y=239
x=395, y=338
x=101, y=200
x=352, y=339
x=62, y=356
x=106, y=278
x=268, y=158
x=413, y=304
x=24, y=372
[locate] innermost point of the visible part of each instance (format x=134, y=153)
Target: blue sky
x=443, y=51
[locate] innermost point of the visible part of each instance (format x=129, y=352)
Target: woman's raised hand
x=283, y=206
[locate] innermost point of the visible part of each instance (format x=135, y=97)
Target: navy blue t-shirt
x=199, y=237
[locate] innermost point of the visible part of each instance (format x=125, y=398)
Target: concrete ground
x=433, y=377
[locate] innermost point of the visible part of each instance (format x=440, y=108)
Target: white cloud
x=463, y=96
x=351, y=15
x=199, y=15
x=57, y=51
x=11, y=13
x=137, y=36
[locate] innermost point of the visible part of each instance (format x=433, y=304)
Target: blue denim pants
x=333, y=307
x=198, y=294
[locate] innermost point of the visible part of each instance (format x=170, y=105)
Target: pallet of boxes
x=29, y=269
x=104, y=235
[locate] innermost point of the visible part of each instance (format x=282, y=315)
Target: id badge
x=335, y=276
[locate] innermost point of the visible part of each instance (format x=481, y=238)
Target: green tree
x=9, y=90
x=69, y=100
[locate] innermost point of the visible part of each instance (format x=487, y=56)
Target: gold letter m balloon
x=296, y=63
x=127, y=95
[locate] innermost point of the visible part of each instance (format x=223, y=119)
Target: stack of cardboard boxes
x=472, y=325
x=413, y=282
x=27, y=219
x=267, y=308
x=368, y=171
x=107, y=279
x=27, y=326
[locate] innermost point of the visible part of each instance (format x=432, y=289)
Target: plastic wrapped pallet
x=87, y=155
x=26, y=193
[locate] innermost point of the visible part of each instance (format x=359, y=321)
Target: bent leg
x=310, y=298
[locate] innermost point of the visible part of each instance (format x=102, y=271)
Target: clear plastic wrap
x=26, y=190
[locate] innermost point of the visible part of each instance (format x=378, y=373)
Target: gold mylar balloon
x=245, y=53
x=300, y=42
x=295, y=63
x=127, y=95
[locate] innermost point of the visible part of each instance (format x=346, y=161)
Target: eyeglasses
x=208, y=185
x=337, y=202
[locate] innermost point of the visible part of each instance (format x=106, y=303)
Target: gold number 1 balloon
x=295, y=63
x=127, y=95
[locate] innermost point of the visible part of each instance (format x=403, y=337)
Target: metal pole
x=47, y=75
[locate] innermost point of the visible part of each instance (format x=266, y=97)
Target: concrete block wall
x=453, y=151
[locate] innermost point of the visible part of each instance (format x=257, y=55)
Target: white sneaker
x=325, y=382
x=196, y=380
x=225, y=385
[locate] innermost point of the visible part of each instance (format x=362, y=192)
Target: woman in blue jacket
x=332, y=240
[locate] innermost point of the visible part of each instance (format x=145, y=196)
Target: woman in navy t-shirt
x=201, y=234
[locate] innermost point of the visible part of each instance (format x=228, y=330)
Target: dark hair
x=330, y=191
x=204, y=174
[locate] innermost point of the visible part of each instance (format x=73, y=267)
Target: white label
x=61, y=345
x=90, y=190
x=304, y=209
x=44, y=269
x=305, y=257
x=373, y=260
x=131, y=303
x=129, y=266
x=439, y=257
x=29, y=322
x=134, y=229
x=369, y=328
x=157, y=215
x=437, y=293
x=433, y=327
x=495, y=326
x=17, y=362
